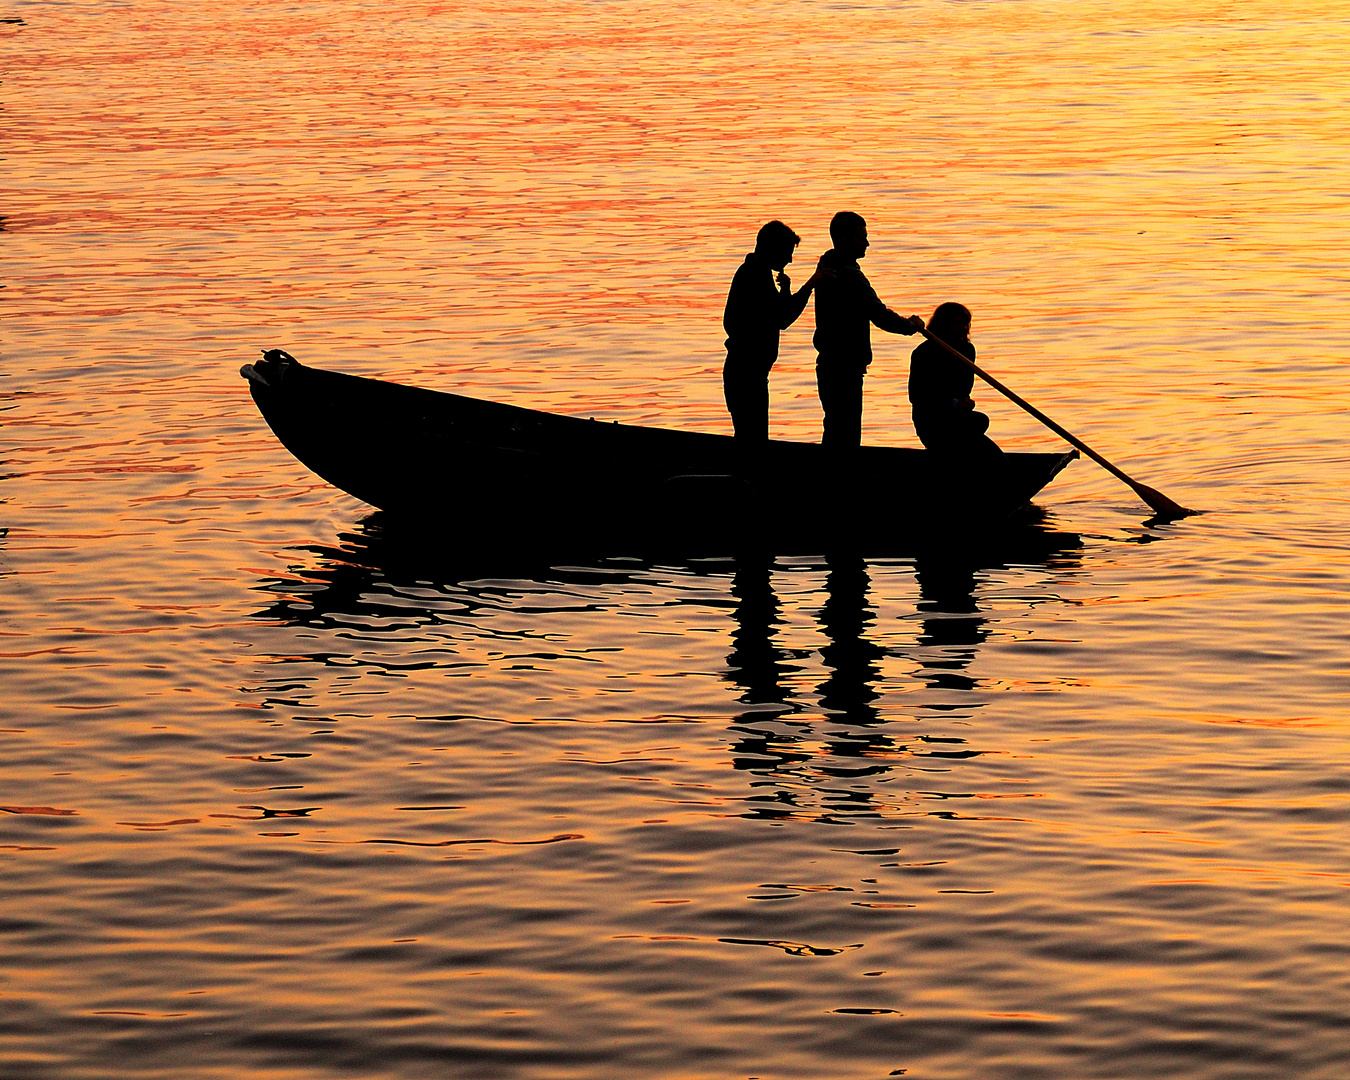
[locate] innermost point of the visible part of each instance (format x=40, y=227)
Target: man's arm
x=792, y=305
x=886, y=319
x=880, y=315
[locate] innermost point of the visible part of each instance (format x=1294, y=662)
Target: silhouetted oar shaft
x=1156, y=499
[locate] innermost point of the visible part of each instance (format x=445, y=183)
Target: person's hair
x=950, y=322
x=844, y=223
x=774, y=235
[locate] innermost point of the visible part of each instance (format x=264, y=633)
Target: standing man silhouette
x=756, y=311
x=846, y=308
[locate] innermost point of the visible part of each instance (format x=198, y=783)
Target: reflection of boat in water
x=445, y=457
x=847, y=673
x=346, y=578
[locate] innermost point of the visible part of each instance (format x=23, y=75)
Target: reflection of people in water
x=851, y=656
x=757, y=309
x=846, y=308
x=755, y=661
x=940, y=386
x=951, y=620
x=766, y=741
x=758, y=666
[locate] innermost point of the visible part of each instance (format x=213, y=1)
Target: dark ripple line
x=452, y=843
x=44, y=811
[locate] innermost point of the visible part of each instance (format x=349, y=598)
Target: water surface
x=288, y=791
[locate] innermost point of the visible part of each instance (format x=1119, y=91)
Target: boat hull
x=444, y=457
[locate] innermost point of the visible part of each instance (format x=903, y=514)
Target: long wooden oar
x=1161, y=504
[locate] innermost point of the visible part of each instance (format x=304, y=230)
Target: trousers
x=748, y=402
x=841, y=396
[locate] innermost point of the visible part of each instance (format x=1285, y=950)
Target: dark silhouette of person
x=846, y=308
x=851, y=657
x=760, y=666
x=757, y=309
x=952, y=625
x=755, y=661
x=939, y=390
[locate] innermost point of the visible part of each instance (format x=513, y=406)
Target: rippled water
x=287, y=790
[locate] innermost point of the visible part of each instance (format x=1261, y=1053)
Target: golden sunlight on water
x=290, y=789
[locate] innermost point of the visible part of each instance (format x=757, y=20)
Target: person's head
x=951, y=322
x=775, y=244
x=848, y=232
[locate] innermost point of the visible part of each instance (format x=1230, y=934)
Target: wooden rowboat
x=439, y=456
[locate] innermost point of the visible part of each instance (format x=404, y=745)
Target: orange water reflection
x=1066, y=812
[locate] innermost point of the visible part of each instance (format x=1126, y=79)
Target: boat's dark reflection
x=793, y=728
x=345, y=577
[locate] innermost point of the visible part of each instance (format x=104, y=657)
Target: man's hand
x=784, y=282
x=915, y=324
x=823, y=274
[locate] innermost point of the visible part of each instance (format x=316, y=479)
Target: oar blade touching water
x=1161, y=505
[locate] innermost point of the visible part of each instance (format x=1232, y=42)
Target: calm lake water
x=287, y=792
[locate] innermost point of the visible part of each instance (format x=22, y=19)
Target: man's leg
x=841, y=398
x=748, y=403
x=853, y=390
x=826, y=387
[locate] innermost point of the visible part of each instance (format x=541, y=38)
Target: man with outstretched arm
x=846, y=308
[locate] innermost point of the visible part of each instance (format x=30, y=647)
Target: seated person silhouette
x=940, y=386
x=757, y=309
